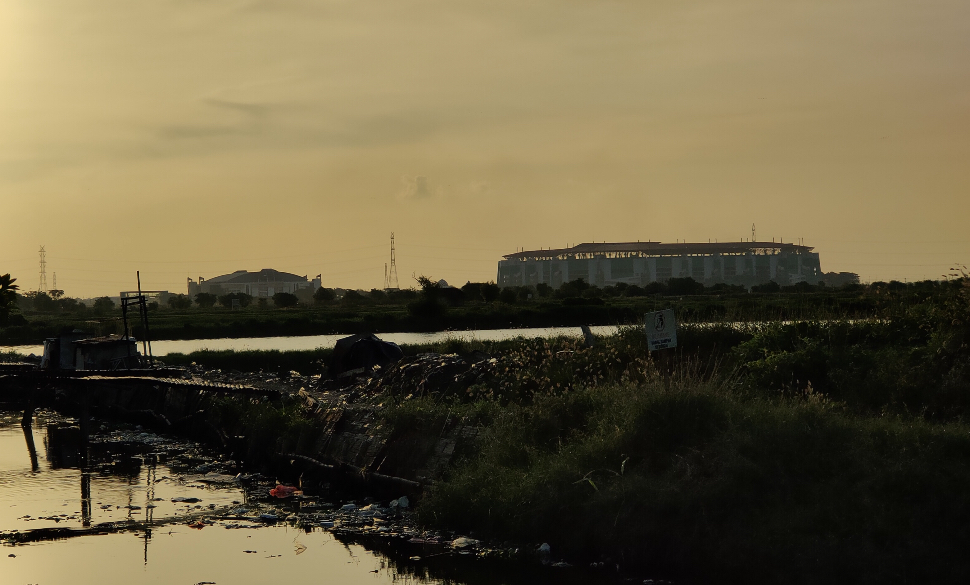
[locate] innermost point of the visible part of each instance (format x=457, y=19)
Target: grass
x=697, y=475
x=809, y=452
x=10, y=357
x=697, y=480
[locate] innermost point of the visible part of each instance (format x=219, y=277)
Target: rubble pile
x=432, y=374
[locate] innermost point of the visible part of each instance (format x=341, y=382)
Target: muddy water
x=142, y=508
x=161, y=348
x=133, y=478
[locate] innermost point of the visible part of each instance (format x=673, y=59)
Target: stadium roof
x=264, y=275
x=658, y=249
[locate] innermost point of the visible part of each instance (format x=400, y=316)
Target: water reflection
x=31, y=449
x=137, y=513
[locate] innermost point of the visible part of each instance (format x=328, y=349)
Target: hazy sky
x=196, y=137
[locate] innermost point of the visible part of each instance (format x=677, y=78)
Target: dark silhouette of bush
x=573, y=288
x=285, y=300
x=490, y=292
x=206, y=300
x=322, y=296
x=352, y=297
x=180, y=302
x=428, y=310
x=103, y=305
x=684, y=286
x=768, y=287
x=244, y=299
x=509, y=295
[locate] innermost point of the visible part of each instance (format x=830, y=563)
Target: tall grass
x=695, y=479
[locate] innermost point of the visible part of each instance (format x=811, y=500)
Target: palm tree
x=8, y=295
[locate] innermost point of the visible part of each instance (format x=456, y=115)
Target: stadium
x=640, y=263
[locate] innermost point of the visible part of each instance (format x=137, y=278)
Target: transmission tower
x=754, y=238
x=43, y=271
x=390, y=272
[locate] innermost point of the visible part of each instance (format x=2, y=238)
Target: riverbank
x=789, y=453
x=599, y=307
x=804, y=452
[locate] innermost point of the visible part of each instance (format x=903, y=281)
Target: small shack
x=79, y=351
x=59, y=352
x=106, y=353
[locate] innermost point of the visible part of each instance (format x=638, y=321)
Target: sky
x=187, y=138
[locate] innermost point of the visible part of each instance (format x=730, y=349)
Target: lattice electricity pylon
x=42, y=287
x=391, y=271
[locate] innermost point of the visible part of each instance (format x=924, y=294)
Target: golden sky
x=197, y=137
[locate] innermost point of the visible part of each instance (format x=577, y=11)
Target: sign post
x=661, y=329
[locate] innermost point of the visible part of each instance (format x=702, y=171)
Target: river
x=164, y=347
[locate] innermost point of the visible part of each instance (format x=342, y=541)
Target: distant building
x=265, y=283
x=640, y=263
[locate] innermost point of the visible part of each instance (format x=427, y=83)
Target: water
x=130, y=480
x=161, y=348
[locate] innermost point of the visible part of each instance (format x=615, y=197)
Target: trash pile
x=432, y=374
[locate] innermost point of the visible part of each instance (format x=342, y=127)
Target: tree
x=69, y=305
x=573, y=288
x=768, y=287
x=206, y=300
x=509, y=295
x=352, y=297
x=429, y=286
x=285, y=300
x=40, y=302
x=490, y=292
x=684, y=286
x=103, y=305
x=8, y=296
x=243, y=298
x=180, y=302
x=324, y=295
x=55, y=293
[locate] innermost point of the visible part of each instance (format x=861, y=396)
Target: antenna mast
x=43, y=271
x=391, y=271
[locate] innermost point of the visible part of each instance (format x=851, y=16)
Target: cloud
x=189, y=132
x=416, y=188
x=254, y=110
x=251, y=122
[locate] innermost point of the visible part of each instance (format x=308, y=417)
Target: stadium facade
x=640, y=263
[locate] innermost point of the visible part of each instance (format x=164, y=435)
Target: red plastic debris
x=283, y=491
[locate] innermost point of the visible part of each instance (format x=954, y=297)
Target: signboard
x=661, y=328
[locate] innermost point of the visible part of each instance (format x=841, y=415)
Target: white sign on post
x=661, y=328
